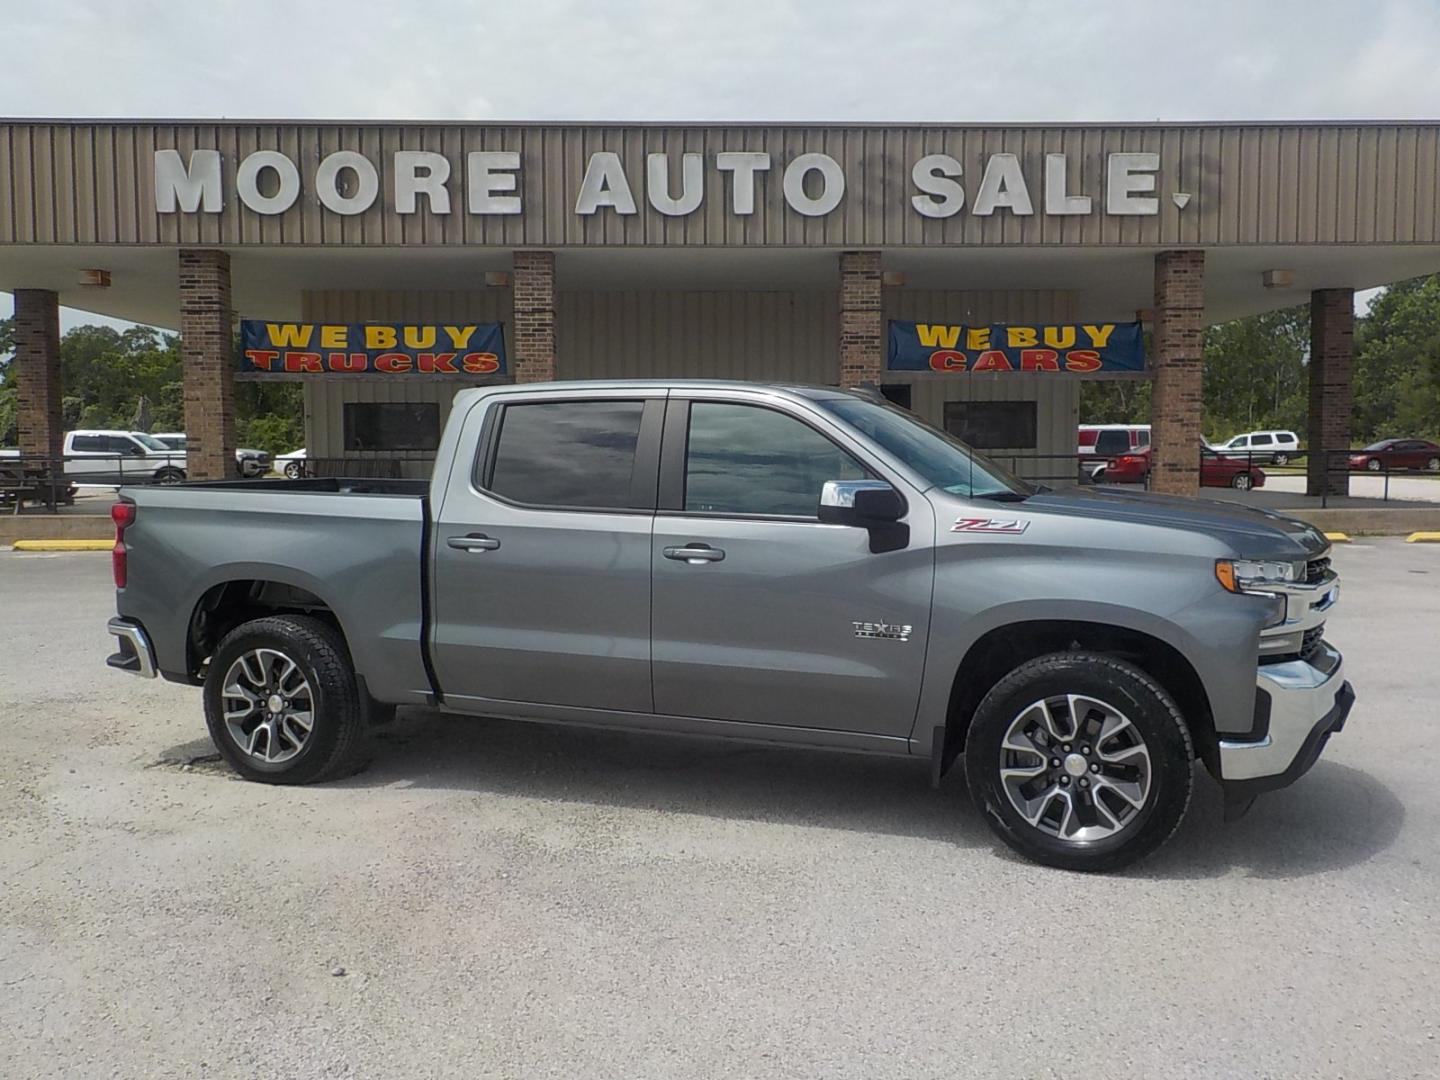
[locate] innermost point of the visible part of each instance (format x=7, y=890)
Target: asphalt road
x=521, y=901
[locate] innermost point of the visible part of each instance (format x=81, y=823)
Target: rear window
x=567, y=454
x=1113, y=442
x=1262, y=440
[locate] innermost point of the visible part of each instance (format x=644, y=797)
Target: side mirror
x=136, y=450
x=872, y=505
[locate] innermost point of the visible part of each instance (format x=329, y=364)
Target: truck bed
x=355, y=545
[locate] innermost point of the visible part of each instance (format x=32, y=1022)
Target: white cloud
x=741, y=60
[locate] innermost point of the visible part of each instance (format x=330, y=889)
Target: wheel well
x=1000, y=651
x=225, y=606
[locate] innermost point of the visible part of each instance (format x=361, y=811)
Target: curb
x=1423, y=538
x=63, y=545
x=1338, y=537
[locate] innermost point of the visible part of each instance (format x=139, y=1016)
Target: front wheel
x=1080, y=761
x=282, y=704
x=1433, y=465
x=294, y=470
x=1373, y=464
x=170, y=475
x=1242, y=481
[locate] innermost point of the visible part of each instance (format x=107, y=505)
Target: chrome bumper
x=135, y=655
x=1308, y=701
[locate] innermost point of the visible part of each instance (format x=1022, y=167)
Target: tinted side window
x=119, y=444
x=567, y=453
x=87, y=443
x=1142, y=438
x=743, y=459
x=1262, y=440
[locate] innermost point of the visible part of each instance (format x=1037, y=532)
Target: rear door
x=541, y=553
x=761, y=613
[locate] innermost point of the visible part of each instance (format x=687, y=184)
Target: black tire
x=338, y=742
x=1433, y=465
x=1282, y=459
x=294, y=470
x=1373, y=464
x=170, y=475
x=1242, y=481
x=1156, y=720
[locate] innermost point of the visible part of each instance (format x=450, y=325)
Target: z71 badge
x=888, y=631
x=1000, y=526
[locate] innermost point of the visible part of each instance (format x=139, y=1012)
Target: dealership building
x=976, y=274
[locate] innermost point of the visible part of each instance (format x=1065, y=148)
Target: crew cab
x=791, y=565
x=106, y=458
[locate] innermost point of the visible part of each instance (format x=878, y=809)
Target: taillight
x=123, y=515
x=1131, y=460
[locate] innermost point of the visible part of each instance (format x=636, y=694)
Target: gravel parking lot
x=493, y=899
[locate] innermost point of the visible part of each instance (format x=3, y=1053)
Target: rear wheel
x=1242, y=481
x=282, y=704
x=1081, y=761
x=294, y=470
x=170, y=475
x=1433, y=465
x=1282, y=459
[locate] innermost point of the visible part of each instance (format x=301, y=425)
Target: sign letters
x=1076, y=349
x=281, y=348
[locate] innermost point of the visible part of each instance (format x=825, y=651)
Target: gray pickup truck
x=784, y=564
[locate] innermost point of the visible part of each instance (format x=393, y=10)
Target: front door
x=761, y=613
x=541, y=566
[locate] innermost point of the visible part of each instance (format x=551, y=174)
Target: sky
x=710, y=60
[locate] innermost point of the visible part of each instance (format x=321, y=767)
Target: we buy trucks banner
x=281, y=348
x=1074, y=348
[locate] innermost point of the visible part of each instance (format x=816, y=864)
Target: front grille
x=1315, y=570
x=1310, y=642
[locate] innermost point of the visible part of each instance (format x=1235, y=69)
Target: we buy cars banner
x=281, y=348
x=1060, y=348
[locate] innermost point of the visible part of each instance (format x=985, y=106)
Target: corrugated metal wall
x=774, y=336
x=1301, y=183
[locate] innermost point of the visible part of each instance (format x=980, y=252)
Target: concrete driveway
x=508, y=900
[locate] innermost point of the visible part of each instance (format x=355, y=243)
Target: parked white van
x=109, y=458
x=1263, y=446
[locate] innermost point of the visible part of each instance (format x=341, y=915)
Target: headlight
x=1249, y=575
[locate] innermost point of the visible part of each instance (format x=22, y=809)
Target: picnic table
x=23, y=480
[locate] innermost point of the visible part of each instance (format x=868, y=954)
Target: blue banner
x=1073, y=348
x=281, y=348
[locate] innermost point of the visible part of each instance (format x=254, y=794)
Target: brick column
x=534, y=294
x=862, y=338
x=1332, y=355
x=1176, y=402
x=37, y=370
x=208, y=363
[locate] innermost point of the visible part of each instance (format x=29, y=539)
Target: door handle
x=694, y=554
x=473, y=542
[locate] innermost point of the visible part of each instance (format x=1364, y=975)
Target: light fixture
x=497, y=278
x=97, y=278
x=1278, y=279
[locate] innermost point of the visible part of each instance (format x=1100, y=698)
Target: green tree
x=9, y=391
x=1397, y=363
x=1255, y=373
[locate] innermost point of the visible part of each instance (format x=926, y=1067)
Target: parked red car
x=1398, y=454
x=1216, y=470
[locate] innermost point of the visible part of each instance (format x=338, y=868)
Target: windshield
x=148, y=441
x=942, y=459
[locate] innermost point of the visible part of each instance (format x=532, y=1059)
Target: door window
x=1142, y=437
x=1240, y=442
x=87, y=444
x=745, y=459
x=1262, y=440
x=120, y=444
x=578, y=454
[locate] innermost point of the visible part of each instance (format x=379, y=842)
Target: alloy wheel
x=268, y=705
x=1075, y=768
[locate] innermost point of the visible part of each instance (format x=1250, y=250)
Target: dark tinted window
x=119, y=444
x=1113, y=443
x=989, y=425
x=568, y=453
x=88, y=443
x=1261, y=440
x=743, y=459
x=392, y=425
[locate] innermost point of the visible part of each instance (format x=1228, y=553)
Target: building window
x=391, y=425
x=897, y=394
x=993, y=425
x=743, y=459
x=568, y=454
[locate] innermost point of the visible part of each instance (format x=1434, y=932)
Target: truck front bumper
x=1300, y=704
x=135, y=655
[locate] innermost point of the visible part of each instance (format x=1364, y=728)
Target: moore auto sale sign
x=811, y=183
